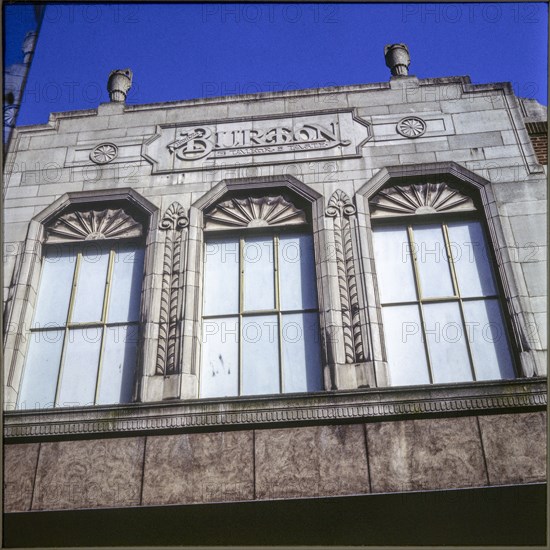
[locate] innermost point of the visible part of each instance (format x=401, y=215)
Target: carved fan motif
x=93, y=224
x=427, y=198
x=254, y=212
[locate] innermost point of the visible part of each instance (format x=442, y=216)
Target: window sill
x=250, y=412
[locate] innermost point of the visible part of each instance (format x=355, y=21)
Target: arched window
x=260, y=318
x=84, y=335
x=442, y=316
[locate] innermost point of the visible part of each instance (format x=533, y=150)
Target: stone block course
x=541, y=322
x=535, y=278
x=482, y=139
x=477, y=121
x=19, y=214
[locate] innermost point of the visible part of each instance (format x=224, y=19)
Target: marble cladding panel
x=19, y=471
x=96, y=473
x=415, y=455
x=515, y=447
x=311, y=461
x=192, y=468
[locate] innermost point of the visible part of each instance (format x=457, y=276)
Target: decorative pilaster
x=341, y=209
x=173, y=222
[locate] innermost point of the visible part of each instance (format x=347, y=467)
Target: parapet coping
x=465, y=81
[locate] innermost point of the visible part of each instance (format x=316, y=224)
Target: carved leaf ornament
x=341, y=209
x=173, y=222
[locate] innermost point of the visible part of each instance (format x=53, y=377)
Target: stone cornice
x=249, y=412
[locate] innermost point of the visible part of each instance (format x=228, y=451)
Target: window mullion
x=241, y=306
x=66, y=334
x=419, y=296
x=278, y=309
x=104, y=312
x=457, y=292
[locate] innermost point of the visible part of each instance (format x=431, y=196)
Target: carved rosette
x=85, y=225
x=419, y=198
x=173, y=222
x=411, y=127
x=104, y=153
x=341, y=209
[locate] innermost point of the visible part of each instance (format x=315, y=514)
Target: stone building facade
x=284, y=318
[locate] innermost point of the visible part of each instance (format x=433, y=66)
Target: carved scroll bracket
x=342, y=210
x=173, y=222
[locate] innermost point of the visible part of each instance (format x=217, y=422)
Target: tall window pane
x=221, y=276
x=393, y=254
x=220, y=358
x=447, y=343
x=126, y=283
x=79, y=373
x=55, y=287
x=260, y=355
x=297, y=271
x=404, y=345
x=432, y=262
x=40, y=374
x=487, y=334
x=259, y=284
x=472, y=260
x=118, y=364
x=91, y=280
x=301, y=352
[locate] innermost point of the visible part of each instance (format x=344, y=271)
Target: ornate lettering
x=200, y=142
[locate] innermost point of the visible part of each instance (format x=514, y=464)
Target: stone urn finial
x=120, y=81
x=397, y=59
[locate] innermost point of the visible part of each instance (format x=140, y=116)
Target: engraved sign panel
x=197, y=146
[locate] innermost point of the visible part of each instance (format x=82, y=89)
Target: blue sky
x=184, y=51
